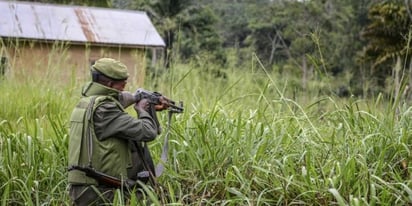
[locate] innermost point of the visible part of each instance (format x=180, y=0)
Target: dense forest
x=362, y=44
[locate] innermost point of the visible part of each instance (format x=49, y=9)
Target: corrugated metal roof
x=77, y=24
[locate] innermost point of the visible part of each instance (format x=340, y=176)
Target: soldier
x=105, y=138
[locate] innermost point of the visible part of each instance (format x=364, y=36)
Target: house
x=37, y=39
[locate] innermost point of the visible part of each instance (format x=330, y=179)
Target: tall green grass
x=247, y=139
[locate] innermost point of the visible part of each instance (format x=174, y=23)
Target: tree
x=186, y=26
x=388, y=40
x=198, y=34
x=288, y=32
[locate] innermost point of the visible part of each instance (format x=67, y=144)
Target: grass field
x=251, y=138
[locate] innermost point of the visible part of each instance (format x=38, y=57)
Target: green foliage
x=254, y=136
x=244, y=140
x=198, y=35
x=285, y=34
x=388, y=38
x=387, y=33
x=33, y=166
x=187, y=28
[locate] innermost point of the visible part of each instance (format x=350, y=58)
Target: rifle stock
x=103, y=178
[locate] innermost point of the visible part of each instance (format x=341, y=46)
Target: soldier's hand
x=142, y=105
x=164, y=104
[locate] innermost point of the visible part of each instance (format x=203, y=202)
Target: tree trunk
x=272, y=52
x=304, y=72
x=397, y=80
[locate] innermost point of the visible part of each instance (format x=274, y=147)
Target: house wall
x=64, y=62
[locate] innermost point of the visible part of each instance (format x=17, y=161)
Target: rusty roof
x=77, y=24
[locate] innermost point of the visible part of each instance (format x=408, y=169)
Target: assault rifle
x=127, y=98
x=105, y=179
x=155, y=98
